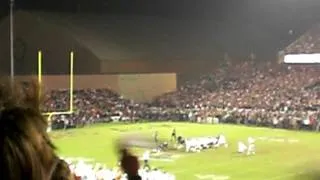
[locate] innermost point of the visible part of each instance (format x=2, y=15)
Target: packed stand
x=248, y=92
x=250, y=85
x=251, y=92
x=90, y=105
x=308, y=43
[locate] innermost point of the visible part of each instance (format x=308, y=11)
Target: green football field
x=280, y=154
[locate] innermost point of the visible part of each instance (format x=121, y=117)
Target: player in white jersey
x=188, y=143
x=241, y=147
x=251, y=146
x=146, y=157
x=221, y=141
x=205, y=143
x=197, y=144
x=192, y=145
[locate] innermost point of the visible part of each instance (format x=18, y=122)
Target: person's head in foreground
x=129, y=163
x=26, y=150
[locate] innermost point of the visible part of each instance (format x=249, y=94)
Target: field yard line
x=285, y=176
x=230, y=162
x=220, y=165
x=289, y=164
x=243, y=172
x=268, y=163
x=213, y=165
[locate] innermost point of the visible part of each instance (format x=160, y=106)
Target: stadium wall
x=157, y=66
x=56, y=82
x=139, y=87
x=186, y=70
x=145, y=87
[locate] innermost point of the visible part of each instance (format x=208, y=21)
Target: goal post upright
x=71, y=82
x=71, y=86
x=40, y=73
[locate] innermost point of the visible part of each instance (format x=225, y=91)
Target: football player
x=241, y=147
x=251, y=146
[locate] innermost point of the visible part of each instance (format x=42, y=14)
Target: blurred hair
x=27, y=151
x=61, y=171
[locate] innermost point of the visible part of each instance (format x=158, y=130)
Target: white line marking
x=287, y=165
x=278, y=139
x=213, y=165
x=247, y=171
x=160, y=159
x=212, y=177
x=285, y=176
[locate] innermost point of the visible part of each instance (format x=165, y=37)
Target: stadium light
x=302, y=58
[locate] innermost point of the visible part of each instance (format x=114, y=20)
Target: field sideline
x=281, y=154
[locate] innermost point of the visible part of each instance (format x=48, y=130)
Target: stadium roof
x=121, y=37
x=308, y=43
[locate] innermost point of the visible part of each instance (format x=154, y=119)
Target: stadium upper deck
x=308, y=43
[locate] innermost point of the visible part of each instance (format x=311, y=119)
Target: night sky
x=252, y=10
x=277, y=17
x=212, y=9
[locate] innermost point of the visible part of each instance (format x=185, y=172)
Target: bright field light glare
x=302, y=58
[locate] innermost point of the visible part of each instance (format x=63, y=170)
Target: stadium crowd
x=308, y=43
x=254, y=93
x=248, y=92
x=90, y=105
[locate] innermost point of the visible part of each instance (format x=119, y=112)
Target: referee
x=173, y=135
x=155, y=136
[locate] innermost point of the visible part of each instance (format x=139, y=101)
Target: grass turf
x=281, y=154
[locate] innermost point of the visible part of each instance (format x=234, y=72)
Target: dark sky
x=209, y=9
x=276, y=17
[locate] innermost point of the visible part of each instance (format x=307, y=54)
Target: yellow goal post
x=71, y=83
